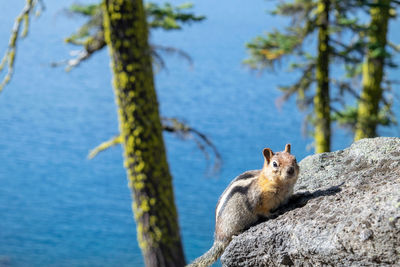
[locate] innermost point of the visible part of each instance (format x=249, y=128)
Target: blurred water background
x=57, y=208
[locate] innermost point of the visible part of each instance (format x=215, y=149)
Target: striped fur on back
x=243, y=180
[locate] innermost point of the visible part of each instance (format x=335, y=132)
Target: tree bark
x=149, y=178
x=373, y=66
x=322, y=111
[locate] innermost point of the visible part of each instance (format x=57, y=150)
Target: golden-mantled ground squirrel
x=249, y=197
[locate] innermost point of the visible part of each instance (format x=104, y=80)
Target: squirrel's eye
x=275, y=164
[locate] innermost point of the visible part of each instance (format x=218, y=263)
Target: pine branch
x=345, y=87
x=349, y=51
x=346, y=117
x=91, y=36
x=170, y=17
x=345, y=56
x=300, y=87
x=116, y=140
x=96, y=43
x=90, y=46
x=157, y=49
x=9, y=56
x=394, y=46
x=265, y=51
x=179, y=128
x=184, y=131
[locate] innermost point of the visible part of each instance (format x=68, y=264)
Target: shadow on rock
x=299, y=200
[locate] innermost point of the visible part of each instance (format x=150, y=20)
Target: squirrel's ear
x=287, y=148
x=267, y=152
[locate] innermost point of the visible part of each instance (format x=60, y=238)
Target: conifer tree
x=322, y=132
x=341, y=41
x=125, y=31
x=308, y=17
x=371, y=98
x=90, y=36
x=367, y=59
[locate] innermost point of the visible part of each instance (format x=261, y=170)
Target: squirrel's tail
x=210, y=256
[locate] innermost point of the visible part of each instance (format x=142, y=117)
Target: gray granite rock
x=345, y=212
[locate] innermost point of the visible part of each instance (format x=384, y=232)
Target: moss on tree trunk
x=126, y=35
x=371, y=95
x=322, y=111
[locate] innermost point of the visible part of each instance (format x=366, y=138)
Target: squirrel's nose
x=290, y=171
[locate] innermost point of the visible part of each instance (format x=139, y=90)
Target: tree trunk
x=322, y=111
x=371, y=95
x=126, y=35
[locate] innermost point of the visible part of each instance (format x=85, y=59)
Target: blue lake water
x=57, y=208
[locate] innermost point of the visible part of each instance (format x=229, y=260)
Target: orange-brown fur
x=274, y=184
x=273, y=193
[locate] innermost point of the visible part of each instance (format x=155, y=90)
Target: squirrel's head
x=281, y=165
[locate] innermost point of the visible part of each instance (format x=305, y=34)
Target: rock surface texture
x=345, y=212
